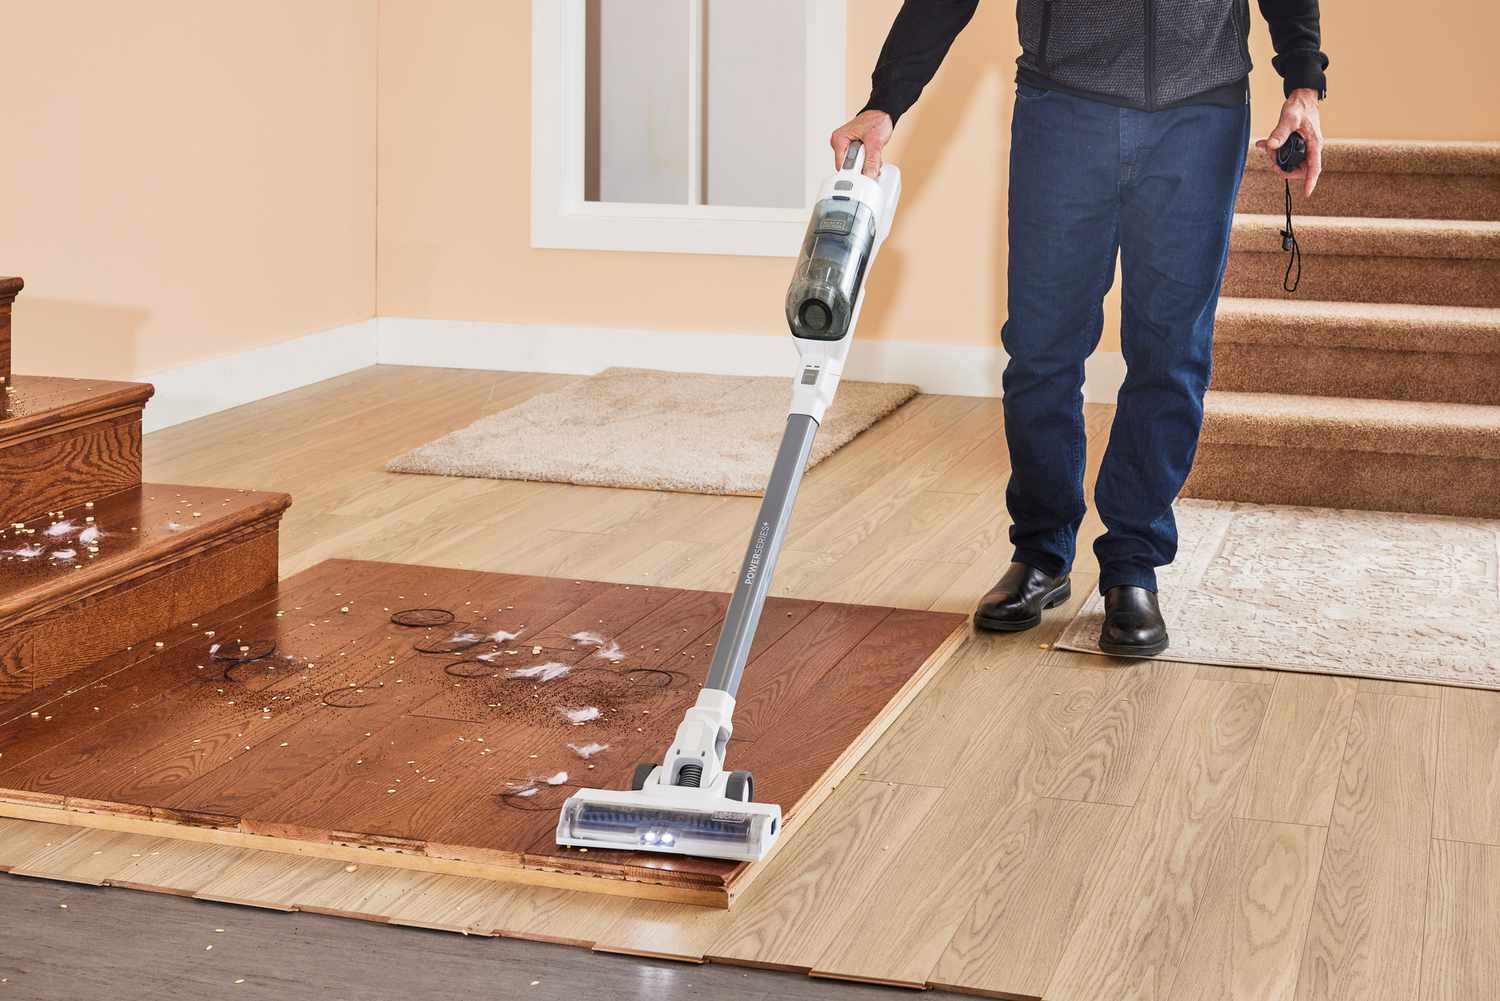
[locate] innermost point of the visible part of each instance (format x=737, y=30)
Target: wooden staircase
x=92, y=560
x=1377, y=384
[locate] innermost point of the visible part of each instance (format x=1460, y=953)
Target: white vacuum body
x=688, y=804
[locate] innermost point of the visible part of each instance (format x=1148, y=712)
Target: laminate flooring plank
x=88, y=857
x=456, y=904
x=1094, y=735
x=1247, y=941
x=789, y=914
x=178, y=867
x=1468, y=767
x=1294, y=770
x=1131, y=936
x=1461, y=938
x=21, y=839
x=268, y=880
x=1365, y=938
x=1011, y=939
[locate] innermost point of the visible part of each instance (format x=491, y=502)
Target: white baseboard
x=207, y=387
x=210, y=386
x=956, y=369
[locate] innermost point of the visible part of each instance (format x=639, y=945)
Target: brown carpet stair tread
x=1353, y=236
x=1401, y=156
x=1472, y=330
x=1334, y=423
x=140, y=528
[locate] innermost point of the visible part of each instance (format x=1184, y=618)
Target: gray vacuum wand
x=688, y=803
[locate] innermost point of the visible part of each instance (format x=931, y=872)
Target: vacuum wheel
x=642, y=773
x=740, y=787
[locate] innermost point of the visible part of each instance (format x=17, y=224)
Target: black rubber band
x=258, y=650
x=489, y=669
x=327, y=698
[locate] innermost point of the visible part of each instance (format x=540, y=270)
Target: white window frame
x=561, y=218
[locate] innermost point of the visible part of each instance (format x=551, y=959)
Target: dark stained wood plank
x=162, y=555
x=789, y=755
x=383, y=663
x=351, y=736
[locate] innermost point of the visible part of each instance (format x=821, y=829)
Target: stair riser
x=1370, y=481
x=1422, y=280
x=4, y=343
x=50, y=647
x=67, y=467
x=1389, y=196
x=1357, y=372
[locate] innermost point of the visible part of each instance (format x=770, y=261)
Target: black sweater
x=1147, y=54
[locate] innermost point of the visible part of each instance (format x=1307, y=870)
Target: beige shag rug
x=1401, y=597
x=629, y=427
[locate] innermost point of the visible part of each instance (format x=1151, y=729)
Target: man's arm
x=1297, y=37
x=919, y=38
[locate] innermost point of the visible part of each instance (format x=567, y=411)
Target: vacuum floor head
x=678, y=820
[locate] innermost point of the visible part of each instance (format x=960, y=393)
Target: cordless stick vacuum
x=688, y=804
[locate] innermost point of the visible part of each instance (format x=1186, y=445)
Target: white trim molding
x=955, y=369
x=561, y=218
x=207, y=387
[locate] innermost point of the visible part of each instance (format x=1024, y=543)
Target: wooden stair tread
x=1338, y=423
x=1370, y=236
x=141, y=528
x=38, y=404
x=9, y=287
x=1374, y=326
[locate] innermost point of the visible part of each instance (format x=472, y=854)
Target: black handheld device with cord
x=1289, y=156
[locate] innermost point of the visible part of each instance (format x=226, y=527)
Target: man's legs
x=1064, y=202
x=1181, y=174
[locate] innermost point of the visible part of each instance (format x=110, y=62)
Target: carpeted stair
x=1377, y=384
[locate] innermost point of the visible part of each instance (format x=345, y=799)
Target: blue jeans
x=1088, y=180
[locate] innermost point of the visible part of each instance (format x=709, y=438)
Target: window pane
x=637, y=101
x=756, y=80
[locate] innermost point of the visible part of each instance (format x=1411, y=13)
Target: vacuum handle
x=854, y=156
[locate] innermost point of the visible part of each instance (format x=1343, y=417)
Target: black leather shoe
x=1133, y=625
x=1017, y=599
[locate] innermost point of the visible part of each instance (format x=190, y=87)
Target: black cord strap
x=1289, y=243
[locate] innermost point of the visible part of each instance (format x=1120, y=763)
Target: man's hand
x=873, y=128
x=1298, y=114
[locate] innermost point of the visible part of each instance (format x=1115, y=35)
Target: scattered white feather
x=64, y=554
x=58, y=529
x=586, y=751
x=89, y=535
x=501, y=636
x=550, y=671
x=608, y=649
x=556, y=780
x=582, y=714
x=529, y=789
x=28, y=552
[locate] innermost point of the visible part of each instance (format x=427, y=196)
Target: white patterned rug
x=1402, y=597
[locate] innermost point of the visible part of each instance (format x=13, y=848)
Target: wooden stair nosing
x=114, y=399
x=64, y=590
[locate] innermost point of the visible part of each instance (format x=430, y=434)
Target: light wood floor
x=1038, y=823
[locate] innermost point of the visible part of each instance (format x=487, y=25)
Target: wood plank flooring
x=1226, y=834
x=319, y=718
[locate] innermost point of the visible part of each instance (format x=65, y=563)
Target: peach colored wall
x=454, y=169
x=181, y=180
